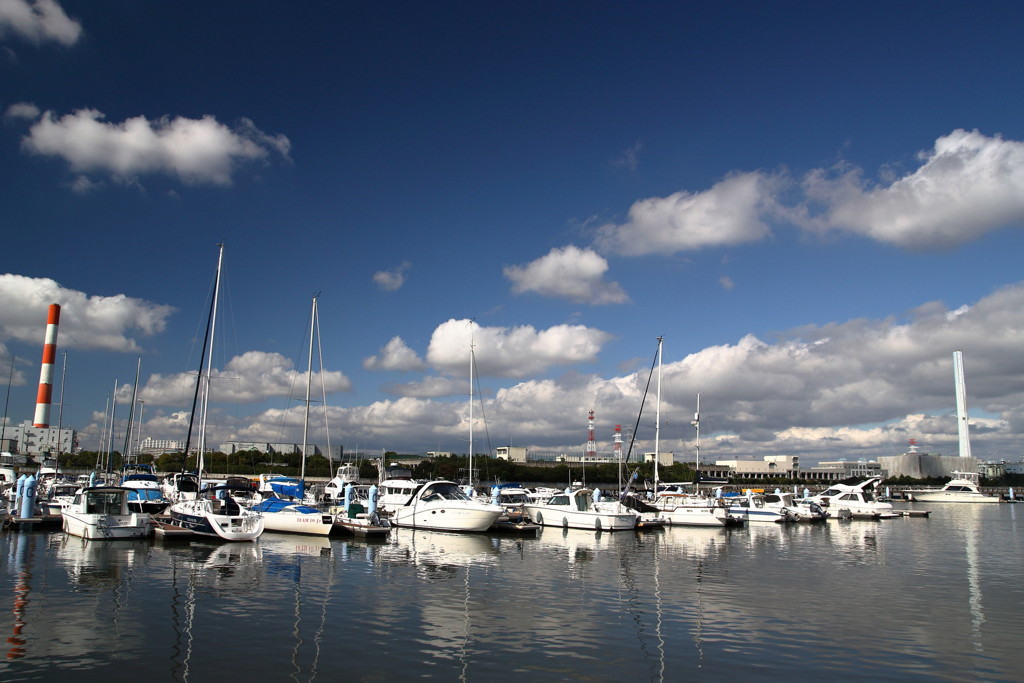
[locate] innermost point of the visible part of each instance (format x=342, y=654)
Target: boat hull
x=313, y=524
x=560, y=516
x=446, y=517
x=107, y=527
x=200, y=518
x=951, y=497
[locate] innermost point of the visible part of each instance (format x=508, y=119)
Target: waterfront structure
x=512, y=453
x=32, y=440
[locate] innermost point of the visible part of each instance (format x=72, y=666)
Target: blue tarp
x=276, y=505
x=287, y=487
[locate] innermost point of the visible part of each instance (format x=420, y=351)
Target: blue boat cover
x=287, y=487
x=276, y=505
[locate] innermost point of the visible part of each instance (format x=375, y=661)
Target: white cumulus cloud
x=968, y=185
x=511, y=352
x=38, y=21
x=394, y=355
x=567, y=273
x=392, y=280
x=732, y=212
x=195, y=151
x=86, y=322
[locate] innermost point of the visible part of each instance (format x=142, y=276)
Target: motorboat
x=59, y=495
x=810, y=512
x=101, y=512
x=754, y=507
x=357, y=512
x=215, y=514
x=860, y=499
x=578, y=510
x=686, y=509
x=438, y=504
x=962, y=488
x=334, y=490
x=145, y=494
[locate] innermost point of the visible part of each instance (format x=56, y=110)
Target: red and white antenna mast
x=617, y=448
x=45, y=395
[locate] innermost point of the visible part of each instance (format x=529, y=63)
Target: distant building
x=925, y=465
x=845, y=469
x=511, y=453
x=664, y=459
x=25, y=439
x=151, y=446
x=786, y=466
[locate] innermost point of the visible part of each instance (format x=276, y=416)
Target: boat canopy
x=277, y=505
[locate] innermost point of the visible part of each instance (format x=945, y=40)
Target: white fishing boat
x=859, y=499
x=439, y=504
x=577, y=510
x=962, y=488
x=213, y=513
x=60, y=494
x=101, y=512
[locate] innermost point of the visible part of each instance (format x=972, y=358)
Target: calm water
x=906, y=599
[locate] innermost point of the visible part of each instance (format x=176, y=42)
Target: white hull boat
x=439, y=505
x=219, y=518
x=576, y=510
x=101, y=512
x=963, y=488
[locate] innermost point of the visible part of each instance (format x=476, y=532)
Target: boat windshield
x=444, y=491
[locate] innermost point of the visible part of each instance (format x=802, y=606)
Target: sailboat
x=291, y=515
x=213, y=513
x=678, y=506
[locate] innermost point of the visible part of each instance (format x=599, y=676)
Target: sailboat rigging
x=213, y=513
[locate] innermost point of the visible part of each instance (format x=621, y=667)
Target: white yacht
x=962, y=488
x=101, y=512
x=578, y=510
x=438, y=504
x=680, y=508
x=860, y=499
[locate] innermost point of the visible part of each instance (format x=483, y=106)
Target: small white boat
x=753, y=507
x=962, y=488
x=334, y=490
x=101, y=512
x=860, y=499
x=438, y=504
x=577, y=510
x=685, y=509
x=59, y=496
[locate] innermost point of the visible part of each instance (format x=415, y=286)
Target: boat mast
x=471, y=359
x=209, y=369
x=657, y=422
x=131, y=418
x=696, y=424
x=309, y=381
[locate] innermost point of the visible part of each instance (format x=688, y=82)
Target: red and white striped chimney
x=45, y=395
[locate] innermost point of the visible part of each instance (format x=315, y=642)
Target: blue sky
x=814, y=204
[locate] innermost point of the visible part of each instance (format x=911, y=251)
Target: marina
x=760, y=601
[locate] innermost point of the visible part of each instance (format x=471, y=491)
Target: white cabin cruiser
x=440, y=504
x=101, y=512
x=687, y=509
x=578, y=510
x=860, y=499
x=962, y=488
